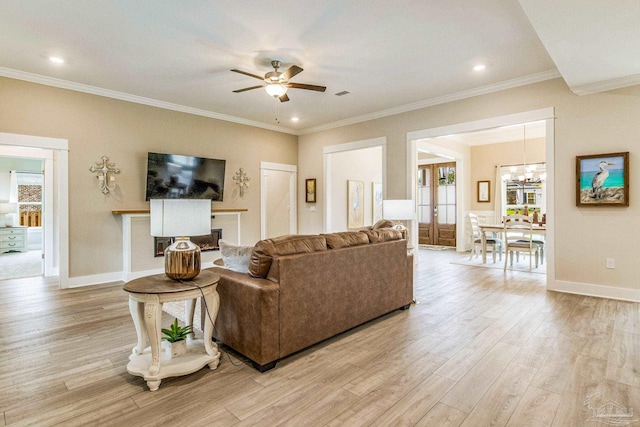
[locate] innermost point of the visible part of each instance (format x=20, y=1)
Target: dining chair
x=492, y=243
x=519, y=238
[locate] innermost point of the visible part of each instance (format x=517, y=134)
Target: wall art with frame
x=310, y=190
x=602, y=179
x=484, y=191
x=355, y=204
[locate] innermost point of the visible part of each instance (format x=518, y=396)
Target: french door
x=437, y=204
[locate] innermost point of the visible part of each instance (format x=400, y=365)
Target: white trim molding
x=600, y=291
x=606, y=85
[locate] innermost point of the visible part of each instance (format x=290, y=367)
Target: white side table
x=146, y=296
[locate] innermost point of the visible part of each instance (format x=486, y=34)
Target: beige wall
x=598, y=123
x=485, y=158
x=125, y=132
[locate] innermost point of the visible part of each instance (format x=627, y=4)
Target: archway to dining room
x=447, y=142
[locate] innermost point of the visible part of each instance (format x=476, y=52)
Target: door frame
x=293, y=179
x=55, y=153
x=546, y=114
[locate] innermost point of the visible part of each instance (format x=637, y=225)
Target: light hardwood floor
x=482, y=347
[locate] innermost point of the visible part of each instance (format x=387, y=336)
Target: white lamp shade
x=180, y=217
x=7, y=208
x=275, y=89
x=398, y=210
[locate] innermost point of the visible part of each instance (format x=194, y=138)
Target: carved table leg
x=189, y=309
x=212, y=301
x=152, y=318
x=137, y=308
x=154, y=385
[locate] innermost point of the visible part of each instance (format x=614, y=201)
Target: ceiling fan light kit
x=277, y=83
x=275, y=89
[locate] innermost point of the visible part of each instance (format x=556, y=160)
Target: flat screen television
x=172, y=176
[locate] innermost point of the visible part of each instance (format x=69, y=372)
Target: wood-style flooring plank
x=537, y=408
x=469, y=390
x=442, y=415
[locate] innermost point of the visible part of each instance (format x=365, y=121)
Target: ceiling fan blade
x=284, y=98
x=292, y=71
x=246, y=89
x=248, y=74
x=305, y=86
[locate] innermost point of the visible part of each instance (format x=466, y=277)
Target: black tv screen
x=171, y=176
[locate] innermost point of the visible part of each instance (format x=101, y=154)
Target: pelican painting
x=599, y=178
x=603, y=179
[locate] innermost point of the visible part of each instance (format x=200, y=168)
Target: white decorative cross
x=104, y=173
x=242, y=180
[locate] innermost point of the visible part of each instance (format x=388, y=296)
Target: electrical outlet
x=312, y=208
x=611, y=263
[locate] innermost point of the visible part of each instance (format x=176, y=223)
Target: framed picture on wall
x=484, y=191
x=376, y=191
x=355, y=204
x=602, y=180
x=310, y=186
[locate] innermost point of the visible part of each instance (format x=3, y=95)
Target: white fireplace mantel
x=128, y=255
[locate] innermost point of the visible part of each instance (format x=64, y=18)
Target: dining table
x=537, y=229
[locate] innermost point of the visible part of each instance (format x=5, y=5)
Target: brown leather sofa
x=301, y=290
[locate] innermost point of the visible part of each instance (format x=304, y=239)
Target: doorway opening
x=54, y=154
x=21, y=240
x=442, y=140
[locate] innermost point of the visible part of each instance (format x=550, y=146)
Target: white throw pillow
x=235, y=257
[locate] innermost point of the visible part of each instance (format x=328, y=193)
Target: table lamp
x=6, y=208
x=398, y=210
x=180, y=218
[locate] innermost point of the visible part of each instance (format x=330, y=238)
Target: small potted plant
x=176, y=338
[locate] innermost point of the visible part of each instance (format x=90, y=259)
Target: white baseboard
x=94, y=279
x=600, y=291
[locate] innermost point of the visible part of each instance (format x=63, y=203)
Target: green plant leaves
x=176, y=333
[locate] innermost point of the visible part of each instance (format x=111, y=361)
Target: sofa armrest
x=248, y=319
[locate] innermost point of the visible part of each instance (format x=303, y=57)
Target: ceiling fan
x=278, y=82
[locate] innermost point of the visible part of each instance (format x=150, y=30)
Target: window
x=524, y=186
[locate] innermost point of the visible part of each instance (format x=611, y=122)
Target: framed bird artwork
x=602, y=180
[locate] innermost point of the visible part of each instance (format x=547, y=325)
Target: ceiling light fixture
x=294, y=119
x=56, y=60
x=479, y=67
x=275, y=89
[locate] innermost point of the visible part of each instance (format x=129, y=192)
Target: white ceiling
x=391, y=56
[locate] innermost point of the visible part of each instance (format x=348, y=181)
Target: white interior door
x=278, y=189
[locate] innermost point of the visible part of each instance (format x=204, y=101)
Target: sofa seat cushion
x=346, y=239
x=383, y=235
x=265, y=250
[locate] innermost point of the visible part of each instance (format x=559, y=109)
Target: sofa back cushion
x=383, y=235
x=345, y=239
x=265, y=250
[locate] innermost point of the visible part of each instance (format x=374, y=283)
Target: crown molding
x=605, y=85
x=94, y=90
x=508, y=84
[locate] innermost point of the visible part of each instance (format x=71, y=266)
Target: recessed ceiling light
x=56, y=60
x=479, y=67
x=294, y=119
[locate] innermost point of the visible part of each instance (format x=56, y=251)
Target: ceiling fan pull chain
x=277, y=110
